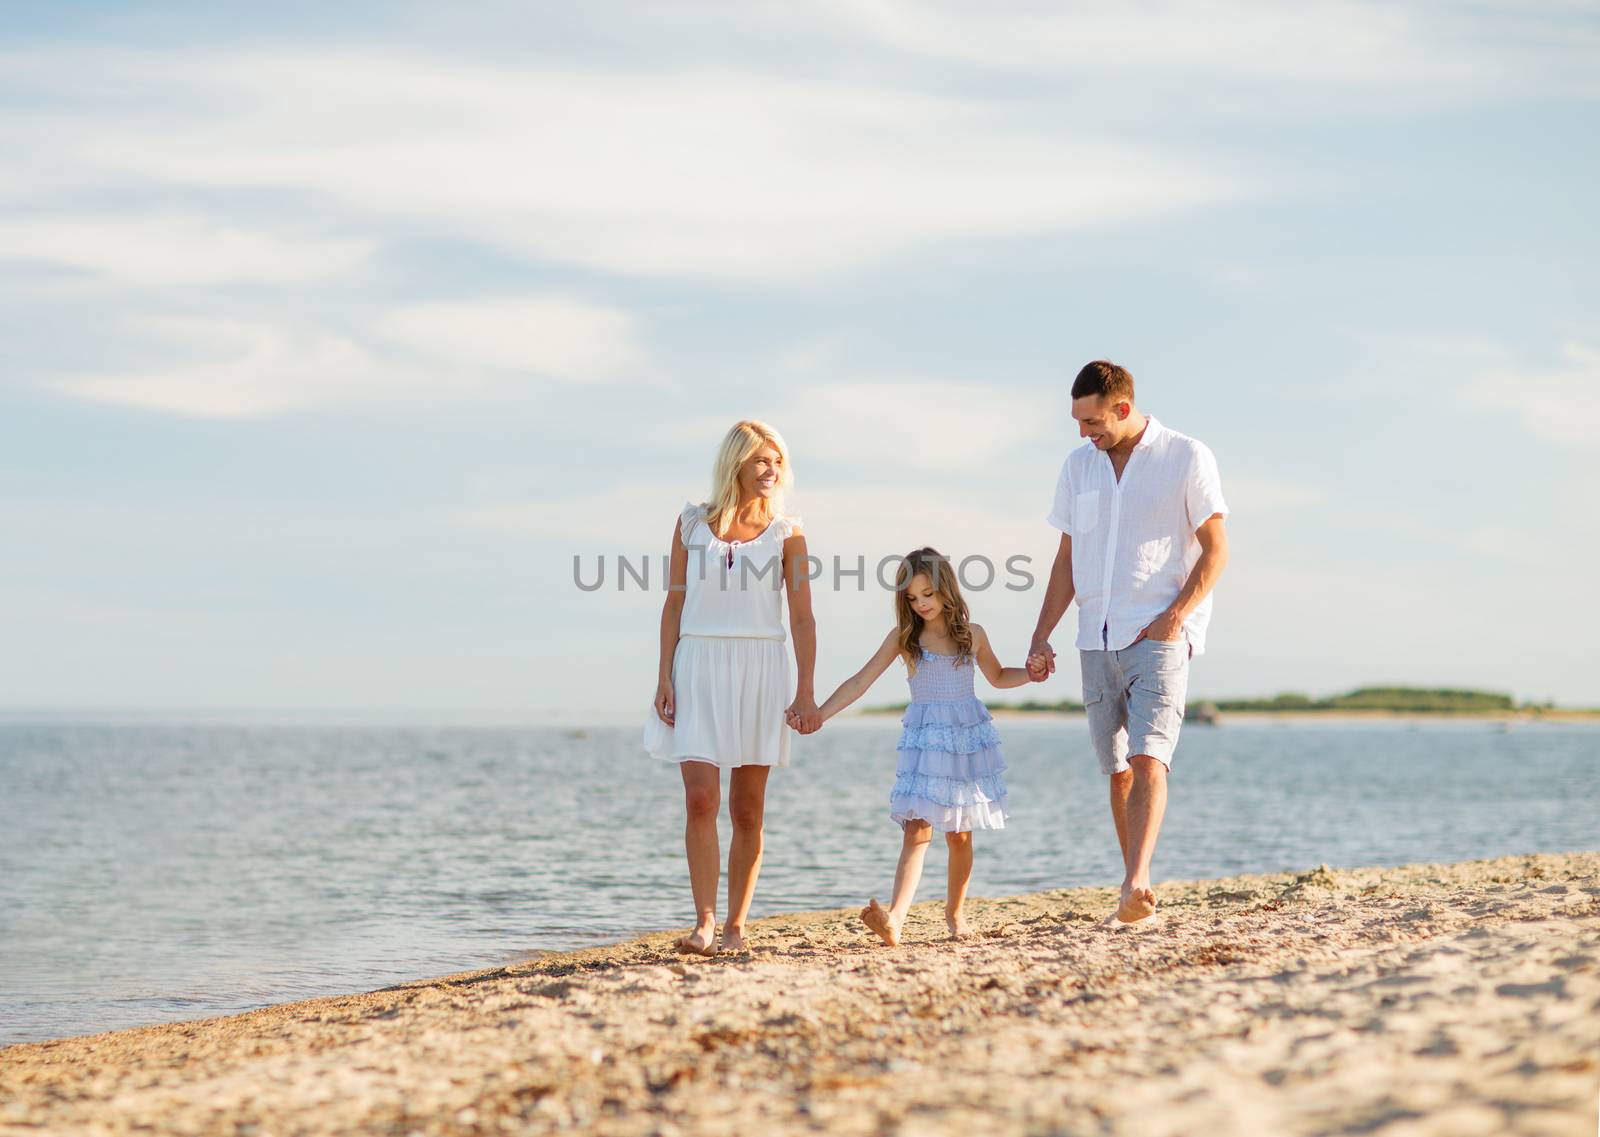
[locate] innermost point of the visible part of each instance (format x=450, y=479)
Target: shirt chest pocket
x=1086, y=511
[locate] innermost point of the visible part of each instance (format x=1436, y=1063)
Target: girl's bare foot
x=733, y=941
x=957, y=923
x=874, y=917
x=697, y=942
x=1137, y=904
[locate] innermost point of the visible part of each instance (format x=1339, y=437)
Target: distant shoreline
x=1513, y=718
x=1363, y=703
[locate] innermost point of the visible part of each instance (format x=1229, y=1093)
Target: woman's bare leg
x=907, y=874
x=956, y=889
x=702, y=798
x=747, y=799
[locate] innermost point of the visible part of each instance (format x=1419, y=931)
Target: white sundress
x=731, y=678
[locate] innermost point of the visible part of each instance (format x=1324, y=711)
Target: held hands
x=803, y=715
x=1041, y=661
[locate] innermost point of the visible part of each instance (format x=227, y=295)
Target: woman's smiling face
x=759, y=475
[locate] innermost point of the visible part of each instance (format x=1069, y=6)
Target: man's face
x=1101, y=421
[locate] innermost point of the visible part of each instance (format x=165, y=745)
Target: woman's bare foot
x=1137, y=904
x=697, y=942
x=957, y=924
x=733, y=941
x=874, y=917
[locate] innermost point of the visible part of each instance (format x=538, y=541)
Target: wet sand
x=1433, y=999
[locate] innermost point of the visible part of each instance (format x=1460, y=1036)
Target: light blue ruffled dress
x=951, y=771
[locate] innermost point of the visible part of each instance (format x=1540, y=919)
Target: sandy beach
x=1452, y=1000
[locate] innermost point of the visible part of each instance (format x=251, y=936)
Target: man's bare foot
x=697, y=942
x=957, y=925
x=733, y=941
x=874, y=917
x=1137, y=904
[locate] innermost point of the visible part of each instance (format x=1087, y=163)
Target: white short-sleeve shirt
x=1133, y=540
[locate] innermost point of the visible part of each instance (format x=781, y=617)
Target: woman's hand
x=664, y=701
x=804, y=716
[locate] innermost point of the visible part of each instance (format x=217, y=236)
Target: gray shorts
x=1134, y=700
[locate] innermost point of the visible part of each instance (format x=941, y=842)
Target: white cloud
x=1561, y=405
x=711, y=175
x=1421, y=54
x=877, y=427
x=173, y=250
x=1248, y=494
x=253, y=368
x=554, y=337
x=1533, y=550
x=239, y=369
x=632, y=518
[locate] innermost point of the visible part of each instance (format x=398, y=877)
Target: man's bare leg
x=747, y=798
x=1145, y=807
x=907, y=874
x=702, y=797
x=1121, y=786
x=960, y=874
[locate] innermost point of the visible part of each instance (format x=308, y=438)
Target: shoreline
x=1304, y=718
x=1423, y=999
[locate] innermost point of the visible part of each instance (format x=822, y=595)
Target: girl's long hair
x=942, y=576
x=742, y=440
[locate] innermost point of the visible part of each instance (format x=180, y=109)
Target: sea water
x=153, y=872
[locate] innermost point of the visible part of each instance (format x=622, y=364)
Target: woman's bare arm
x=671, y=617
x=803, y=628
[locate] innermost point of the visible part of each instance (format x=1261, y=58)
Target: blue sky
x=332, y=336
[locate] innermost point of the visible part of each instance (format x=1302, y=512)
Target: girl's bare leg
x=747, y=798
x=960, y=875
x=702, y=798
x=907, y=874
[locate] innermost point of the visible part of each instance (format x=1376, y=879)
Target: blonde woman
x=724, y=678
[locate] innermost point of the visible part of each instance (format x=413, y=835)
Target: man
x=1141, y=513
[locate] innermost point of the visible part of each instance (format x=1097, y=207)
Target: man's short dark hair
x=1105, y=378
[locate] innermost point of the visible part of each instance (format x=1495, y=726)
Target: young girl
x=949, y=775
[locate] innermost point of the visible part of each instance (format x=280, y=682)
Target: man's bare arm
x=1057, y=599
x=1203, y=578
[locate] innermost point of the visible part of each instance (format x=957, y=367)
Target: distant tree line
x=1400, y=700
x=1410, y=700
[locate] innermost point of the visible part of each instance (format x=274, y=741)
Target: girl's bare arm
x=856, y=686
x=999, y=677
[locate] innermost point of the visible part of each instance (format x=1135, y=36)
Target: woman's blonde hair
x=742, y=440
x=937, y=568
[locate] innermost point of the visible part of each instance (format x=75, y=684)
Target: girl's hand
x=664, y=701
x=804, y=716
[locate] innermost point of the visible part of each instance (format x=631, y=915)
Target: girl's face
x=758, y=477
x=925, y=599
